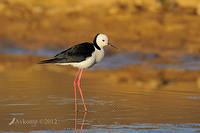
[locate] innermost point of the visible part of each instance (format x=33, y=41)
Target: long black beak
x=112, y=46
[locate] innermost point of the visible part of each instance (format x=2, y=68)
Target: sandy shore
x=131, y=28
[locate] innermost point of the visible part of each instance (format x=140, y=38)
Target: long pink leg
x=75, y=121
x=83, y=122
x=80, y=88
x=75, y=99
x=75, y=88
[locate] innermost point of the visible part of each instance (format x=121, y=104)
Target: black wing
x=76, y=53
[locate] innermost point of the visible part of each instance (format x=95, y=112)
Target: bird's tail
x=48, y=61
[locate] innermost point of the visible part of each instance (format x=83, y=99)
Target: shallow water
x=183, y=62
x=43, y=101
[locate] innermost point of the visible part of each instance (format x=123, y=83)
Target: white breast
x=99, y=55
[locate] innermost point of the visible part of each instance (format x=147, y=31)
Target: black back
x=76, y=53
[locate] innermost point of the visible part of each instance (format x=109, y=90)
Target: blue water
x=193, y=97
x=186, y=62
x=134, y=128
x=23, y=51
x=123, y=59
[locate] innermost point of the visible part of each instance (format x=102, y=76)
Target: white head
x=101, y=40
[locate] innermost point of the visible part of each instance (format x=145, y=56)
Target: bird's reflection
x=82, y=123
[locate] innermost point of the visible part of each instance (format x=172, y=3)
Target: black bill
x=112, y=46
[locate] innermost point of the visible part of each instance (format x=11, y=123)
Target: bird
x=82, y=56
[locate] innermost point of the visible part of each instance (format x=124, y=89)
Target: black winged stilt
x=82, y=56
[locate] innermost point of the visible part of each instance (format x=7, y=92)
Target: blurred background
x=145, y=25
x=151, y=82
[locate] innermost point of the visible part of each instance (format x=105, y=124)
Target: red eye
x=103, y=40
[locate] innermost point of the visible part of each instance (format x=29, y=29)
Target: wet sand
x=129, y=98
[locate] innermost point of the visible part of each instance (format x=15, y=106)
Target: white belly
x=90, y=61
x=96, y=57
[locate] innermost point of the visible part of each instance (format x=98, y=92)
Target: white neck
x=99, y=54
